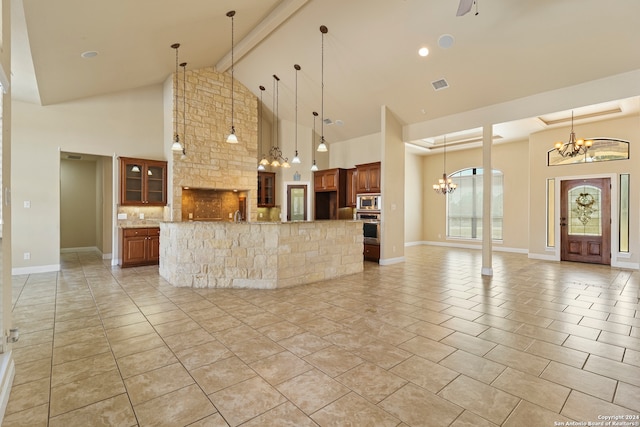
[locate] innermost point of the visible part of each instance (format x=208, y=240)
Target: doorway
x=585, y=220
x=296, y=202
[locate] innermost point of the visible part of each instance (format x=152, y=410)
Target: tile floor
x=428, y=342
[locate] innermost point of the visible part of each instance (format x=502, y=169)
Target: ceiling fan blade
x=464, y=7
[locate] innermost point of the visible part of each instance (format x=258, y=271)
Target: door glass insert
x=624, y=213
x=297, y=204
x=584, y=211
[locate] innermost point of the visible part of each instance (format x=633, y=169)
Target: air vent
x=328, y=121
x=440, y=84
x=74, y=157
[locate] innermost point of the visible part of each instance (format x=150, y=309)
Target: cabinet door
x=131, y=179
x=363, y=180
x=331, y=180
x=368, y=178
x=156, y=183
x=374, y=178
x=318, y=181
x=352, y=185
x=134, y=250
x=154, y=249
x=266, y=189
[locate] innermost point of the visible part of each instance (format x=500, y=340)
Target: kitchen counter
x=261, y=255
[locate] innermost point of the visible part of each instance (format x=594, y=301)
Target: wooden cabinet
x=140, y=246
x=330, y=192
x=330, y=180
x=266, y=189
x=352, y=187
x=143, y=182
x=368, y=178
x=372, y=252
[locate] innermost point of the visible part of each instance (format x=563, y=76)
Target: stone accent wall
x=258, y=255
x=211, y=162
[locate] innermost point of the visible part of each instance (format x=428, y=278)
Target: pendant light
x=232, y=138
x=323, y=146
x=264, y=162
x=314, y=167
x=445, y=185
x=184, y=110
x=176, y=146
x=296, y=159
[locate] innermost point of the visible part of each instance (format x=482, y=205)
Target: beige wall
x=414, y=191
x=513, y=160
x=125, y=124
x=392, y=189
x=365, y=149
x=627, y=128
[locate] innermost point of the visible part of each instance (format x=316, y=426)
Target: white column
x=487, y=184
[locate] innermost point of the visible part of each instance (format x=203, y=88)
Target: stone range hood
x=212, y=204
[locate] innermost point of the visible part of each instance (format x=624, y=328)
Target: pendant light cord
x=184, y=106
x=323, y=30
x=175, y=88
x=232, y=70
x=297, y=67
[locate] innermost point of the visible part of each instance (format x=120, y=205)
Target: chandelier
x=277, y=159
x=445, y=185
x=176, y=146
x=573, y=147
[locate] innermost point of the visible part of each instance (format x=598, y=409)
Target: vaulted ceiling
x=502, y=50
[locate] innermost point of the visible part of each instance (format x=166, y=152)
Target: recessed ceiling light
x=89, y=54
x=445, y=41
x=423, y=51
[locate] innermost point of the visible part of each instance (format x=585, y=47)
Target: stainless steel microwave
x=368, y=202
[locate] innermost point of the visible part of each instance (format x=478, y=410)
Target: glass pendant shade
x=322, y=147
x=296, y=159
x=176, y=146
x=261, y=167
x=232, y=138
x=314, y=167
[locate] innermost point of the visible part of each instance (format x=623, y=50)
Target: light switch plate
x=122, y=216
x=141, y=215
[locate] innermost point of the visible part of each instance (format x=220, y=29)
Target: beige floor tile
x=469, y=419
x=382, y=354
x=632, y=357
x=255, y=349
x=136, y=345
x=429, y=330
x=188, y=339
x=372, y=382
x=469, y=343
x=44, y=336
x=80, y=350
x=280, y=367
x=203, y=354
x=616, y=328
x=542, y=334
x=124, y=320
x=112, y=412
x=181, y=407
x=532, y=389
x=594, y=347
x=145, y=361
x=473, y=366
x=312, y=390
x=215, y=420
x=32, y=371
x=464, y=326
x=305, y=343
x=83, y=392
x=246, y=400
x=522, y=361
x=628, y=396
x=28, y=395
x=166, y=316
x=424, y=373
x=81, y=323
x=427, y=348
x=612, y=369
x=416, y=406
x=353, y=410
x=281, y=330
x=129, y=331
x=220, y=324
x=76, y=370
x=221, y=374
x=37, y=416
x=484, y=400
x=509, y=339
x=620, y=340
x=151, y=384
x=558, y=353
x=177, y=327
x=585, y=408
x=578, y=379
x=236, y=334
x=333, y=360
x=528, y=414
x=33, y=352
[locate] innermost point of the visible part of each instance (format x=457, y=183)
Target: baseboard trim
x=389, y=261
x=81, y=249
x=7, y=373
x=17, y=271
x=469, y=246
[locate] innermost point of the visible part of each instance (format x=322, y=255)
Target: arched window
x=464, y=206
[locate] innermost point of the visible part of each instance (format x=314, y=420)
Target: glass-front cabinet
x=266, y=189
x=143, y=182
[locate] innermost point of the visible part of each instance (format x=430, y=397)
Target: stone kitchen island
x=260, y=255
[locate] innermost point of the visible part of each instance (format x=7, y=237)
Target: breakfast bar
x=260, y=255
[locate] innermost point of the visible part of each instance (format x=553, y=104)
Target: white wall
x=356, y=151
x=126, y=124
x=414, y=188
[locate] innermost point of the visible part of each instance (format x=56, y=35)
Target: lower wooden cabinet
x=140, y=246
x=372, y=252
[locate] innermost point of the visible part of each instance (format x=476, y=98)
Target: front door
x=585, y=220
x=296, y=202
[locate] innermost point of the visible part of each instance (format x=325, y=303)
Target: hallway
x=428, y=342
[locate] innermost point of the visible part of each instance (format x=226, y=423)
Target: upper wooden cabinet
x=266, y=189
x=352, y=187
x=368, y=178
x=143, y=182
x=329, y=180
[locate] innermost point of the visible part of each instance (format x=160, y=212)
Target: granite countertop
x=139, y=224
